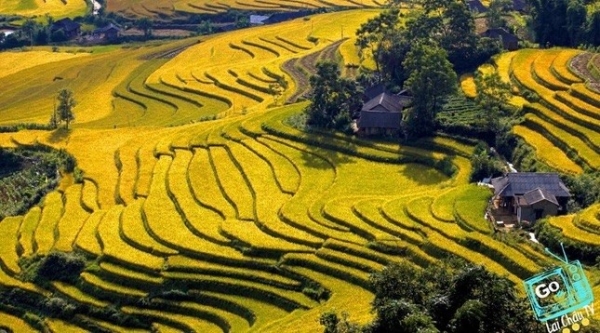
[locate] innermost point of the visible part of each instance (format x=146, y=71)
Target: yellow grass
x=467, y=84
x=542, y=68
x=233, y=184
x=560, y=66
x=503, y=64
x=46, y=230
x=97, y=282
x=72, y=221
x=133, y=231
x=57, y=325
x=27, y=230
x=547, y=151
x=13, y=62
x=16, y=324
x=9, y=227
x=114, y=247
x=78, y=295
x=570, y=230
x=86, y=239
x=40, y=7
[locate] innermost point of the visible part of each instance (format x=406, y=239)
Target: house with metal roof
x=381, y=115
x=70, y=28
x=531, y=195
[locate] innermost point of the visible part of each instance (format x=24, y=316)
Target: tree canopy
x=452, y=297
x=66, y=103
x=431, y=79
x=334, y=98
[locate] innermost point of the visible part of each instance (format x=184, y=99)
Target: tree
x=459, y=38
x=333, y=98
x=28, y=28
x=145, y=24
x=593, y=29
x=66, y=102
x=431, y=80
x=492, y=96
x=375, y=31
x=495, y=11
x=576, y=19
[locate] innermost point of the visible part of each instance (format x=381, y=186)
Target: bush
x=60, y=266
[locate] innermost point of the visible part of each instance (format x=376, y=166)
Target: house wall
x=548, y=207
x=527, y=213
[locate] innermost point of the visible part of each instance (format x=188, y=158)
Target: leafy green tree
x=66, y=103
x=593, y=29
x=431, y=80
x=28, y=29
x=145, y=24
x=333, y=97
x=493, y=95
x=459, y=38
x=376, y=31
x=576, y=19
x=495, y=11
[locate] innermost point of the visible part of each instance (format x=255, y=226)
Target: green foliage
x=27, y=174
x=484, y=164
x=455, y=297
x=553, y=237
x=56, y=266
x=64, y=110
x=333, y=98
x=431, y=80
x=584, y=188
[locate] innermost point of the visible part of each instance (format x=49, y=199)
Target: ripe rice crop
x=86, y=239
x=467, y=84
x=27, y=230
x=13, y=62
x=116, y=249
x=546, y=151
x=9, y=258
x=15, y=323
x=570, y=230
x=46, y=230
x=72, y=221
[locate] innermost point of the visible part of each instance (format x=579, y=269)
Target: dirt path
x=301, y=69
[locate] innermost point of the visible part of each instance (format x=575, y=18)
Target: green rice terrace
x=201, y=208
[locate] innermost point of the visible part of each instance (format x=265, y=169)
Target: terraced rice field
x=54, y=8
x=241, y=224
x=162, y=7
x=563, y=122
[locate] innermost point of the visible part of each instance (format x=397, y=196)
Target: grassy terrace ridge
x=161, y=7
x=245, y=223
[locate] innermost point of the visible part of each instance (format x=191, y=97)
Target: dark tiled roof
x=537, y=195
x=519, y=5
x=66, y=25
x=513, y=184
x=476, y=6
x=107, y=28
x=370, y=119
x=389, y=102
x=500, y=33
x=374, y=91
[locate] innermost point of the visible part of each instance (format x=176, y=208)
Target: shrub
x=58, y=266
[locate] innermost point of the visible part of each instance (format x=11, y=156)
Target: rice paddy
x=244, y=223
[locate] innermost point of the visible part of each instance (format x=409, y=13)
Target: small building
x=475, y=6
x=109, y=32
x=520, y=5
x=530, y=195
x=258, y=19
x=381, y=115
x=509, y=41
x=70, y=28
